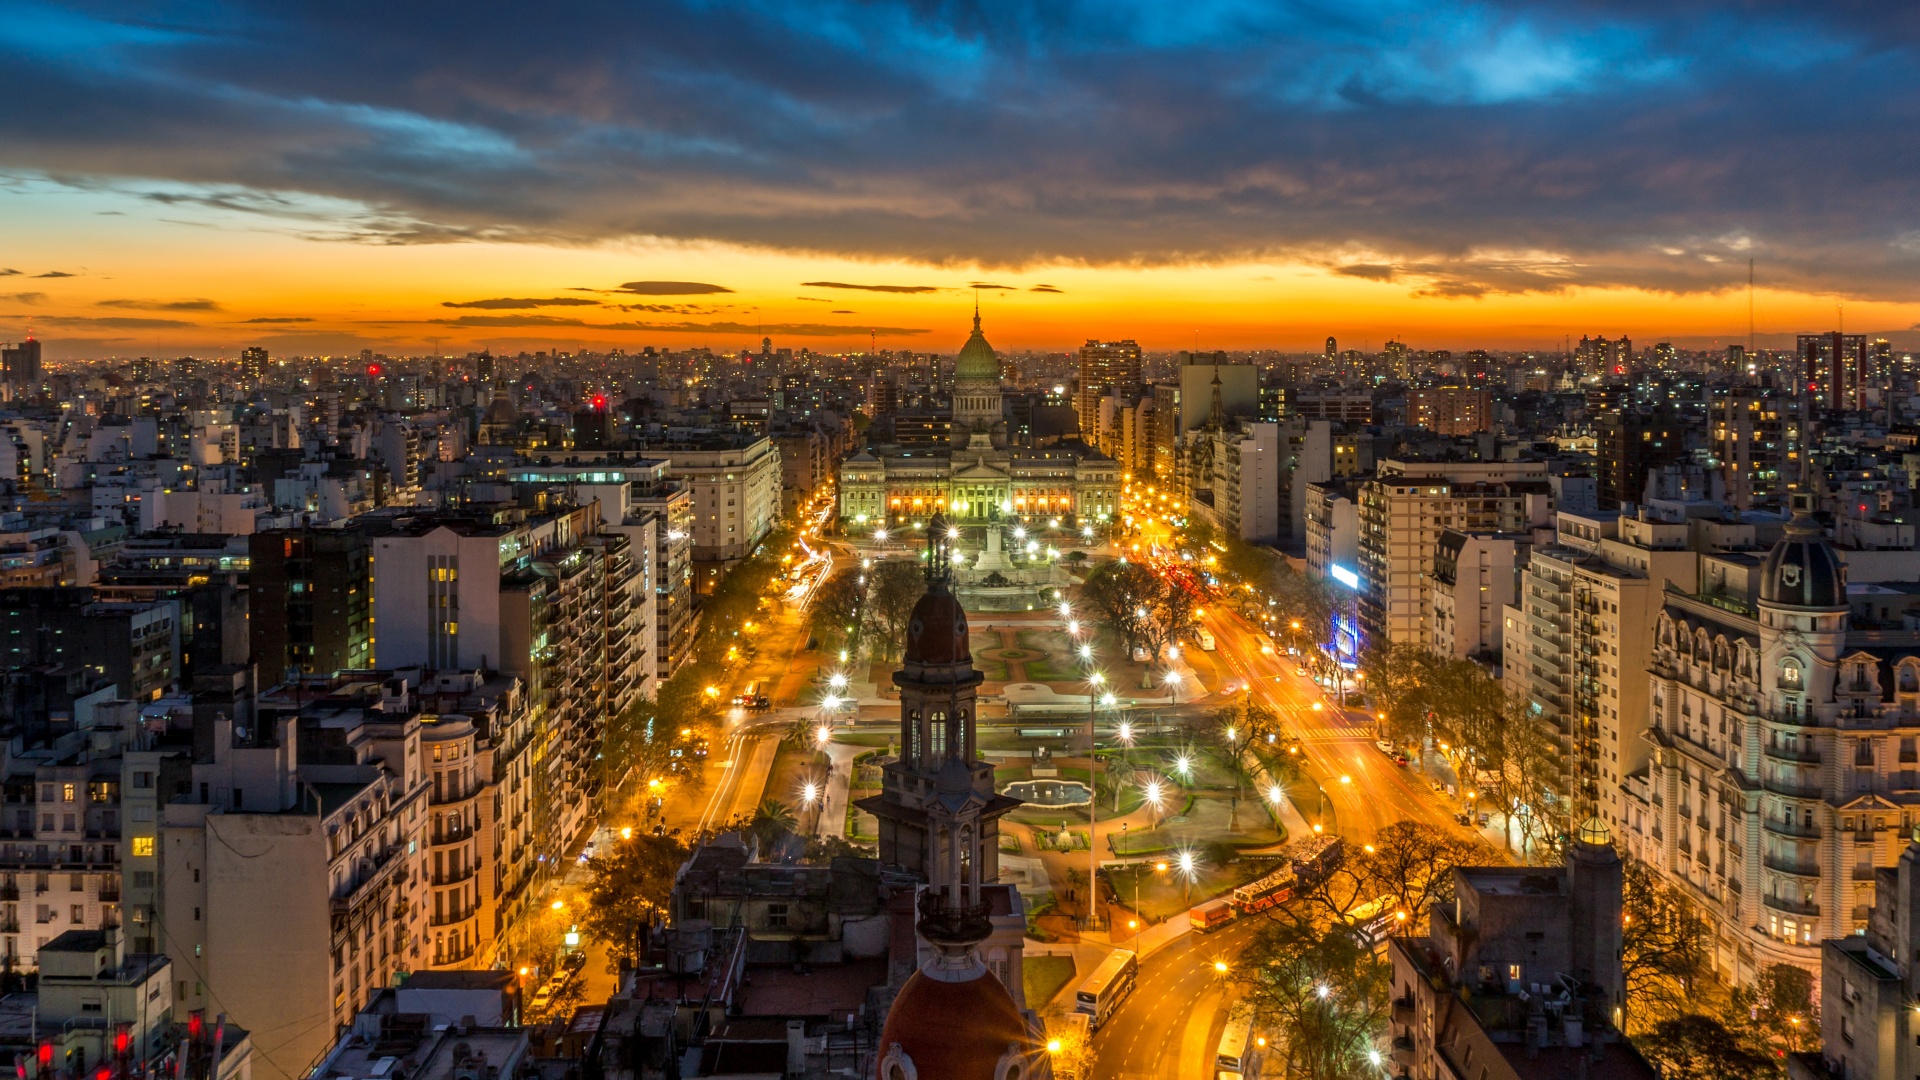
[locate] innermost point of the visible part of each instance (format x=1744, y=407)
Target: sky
x=320, y=178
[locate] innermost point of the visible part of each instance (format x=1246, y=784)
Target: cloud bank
x=1447, y=150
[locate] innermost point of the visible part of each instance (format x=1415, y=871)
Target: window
x=143, y=846
x=79, y=913
x=66, y=792
x=776, y=916
x=1513, y=972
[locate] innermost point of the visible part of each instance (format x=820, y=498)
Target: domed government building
x=980, y=478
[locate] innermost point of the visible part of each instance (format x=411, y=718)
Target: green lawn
x=793, y=767
x=1044, y=977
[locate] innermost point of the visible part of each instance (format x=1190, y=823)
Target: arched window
x=1790, y=678
x=937, y=735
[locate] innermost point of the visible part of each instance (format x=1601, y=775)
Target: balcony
x=1807, y=756
x=1791, y=789
x=1789, y=828
x=1796, y=867
x=1791, y=907
x=455, y=877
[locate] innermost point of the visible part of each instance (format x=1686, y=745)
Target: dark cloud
x=1369, y=271
x=511, y=303
x=9, y=273
x=988, y=285
x=869, y=288
x=161, y=305
x=1045, y=288
x=54, y=274
x=671, y=288
x=842, y=311
x=27, y=298
x=1495, y=145
x=278, y=319
x=814, y=299
x=718, y=327
x=111, y=322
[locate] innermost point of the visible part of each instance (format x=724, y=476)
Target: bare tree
x=895, y=586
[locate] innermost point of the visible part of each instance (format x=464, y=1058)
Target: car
x=1385, y=746
x=541, y=999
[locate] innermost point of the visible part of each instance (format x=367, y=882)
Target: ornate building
x=1784, y=768
x=962, y=1014
x=980, y=480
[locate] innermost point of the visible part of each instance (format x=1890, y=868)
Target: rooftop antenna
x=1749, y=307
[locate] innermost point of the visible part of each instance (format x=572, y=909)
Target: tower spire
x=976, y=310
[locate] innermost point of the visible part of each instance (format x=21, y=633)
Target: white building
x=1784, y=770
x=1578, y=640
x=735, y=484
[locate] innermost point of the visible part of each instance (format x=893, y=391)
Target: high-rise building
x=1578, y=638
x=253, y=366
x=1106, y=368
x=1402, y=511
x=1833, y=369
x=1630, y=445
x=20, y=368
x=1467, y=992
x=1333, y=351
x=311, y=597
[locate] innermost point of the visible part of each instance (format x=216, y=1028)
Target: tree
x=1324, y=989
x=1412, y=863
x=834, y=616
x=1122, y=594
x=1396, y=678
x=628, y=887
x=1147, y=611
x=1778, y=1012
x=1664, y=947
x=1698, y=1047
x=771, y=822
x=1069, y=1051
x=895, y=586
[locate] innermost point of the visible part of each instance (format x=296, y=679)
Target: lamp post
x=1094, y=681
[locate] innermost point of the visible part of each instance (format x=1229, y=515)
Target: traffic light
x=196, y=1022
x=46, y=1057
x=120, y=1041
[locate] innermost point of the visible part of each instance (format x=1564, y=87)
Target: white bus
x=1238, y=1051
x=1109, y=985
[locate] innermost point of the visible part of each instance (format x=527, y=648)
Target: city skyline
x=197, y=180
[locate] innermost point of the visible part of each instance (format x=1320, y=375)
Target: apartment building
x=311, y=595
x=297, y=872
x=1474, y=579
x=1579, y=637
x=1241, y=492
x=1451, y=410
x=1783, y=773
x=136, y=645
x=1332, y=529
x=1402, y=511
x=735, y=484
x=76, y=830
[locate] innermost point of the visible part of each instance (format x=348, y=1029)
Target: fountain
x=1049, y=792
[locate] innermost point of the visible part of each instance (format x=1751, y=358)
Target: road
x=1170, y=1027
x=1366, y=789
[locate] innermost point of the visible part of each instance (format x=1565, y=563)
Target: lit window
x=143, y=846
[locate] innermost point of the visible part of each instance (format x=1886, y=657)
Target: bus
x=1316, y=856
x=1108, y=986
x=1263, y=893
x=1266, y=644
x=1212, y=915
x=754, y=697
x=1237, y=1055
x=1374, y=921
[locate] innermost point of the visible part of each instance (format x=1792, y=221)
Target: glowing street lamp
x=837, y=681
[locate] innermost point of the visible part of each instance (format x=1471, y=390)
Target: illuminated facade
x=980, y=480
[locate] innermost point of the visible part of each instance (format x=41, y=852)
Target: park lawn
x=792, y=768
x=879, y=740
x=1044, y=977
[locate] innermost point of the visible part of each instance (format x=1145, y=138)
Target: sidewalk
x=1094, y=947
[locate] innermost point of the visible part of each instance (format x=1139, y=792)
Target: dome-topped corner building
x=977, y=408
x=1781, y=735
x=960, y=1015
x=976, y=360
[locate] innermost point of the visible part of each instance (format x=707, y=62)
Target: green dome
x=976, y=359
